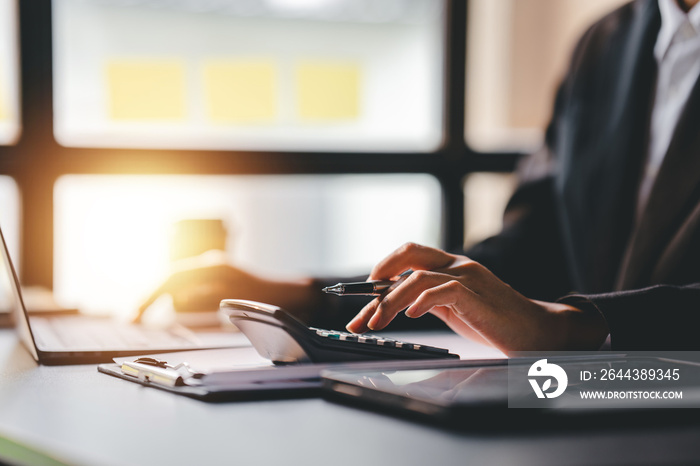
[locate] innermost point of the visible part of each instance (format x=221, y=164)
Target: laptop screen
x=11, y=299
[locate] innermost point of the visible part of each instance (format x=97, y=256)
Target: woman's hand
x=200, y=283
x=475, y=304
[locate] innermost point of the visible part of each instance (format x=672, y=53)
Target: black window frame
x=36, y=161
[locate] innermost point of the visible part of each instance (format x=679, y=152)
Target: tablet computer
x=488, y=394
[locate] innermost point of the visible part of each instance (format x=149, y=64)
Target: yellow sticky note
x=240, y=92
x=141, y=90
x=328, y=91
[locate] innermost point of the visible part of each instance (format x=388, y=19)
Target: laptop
x=80, y=339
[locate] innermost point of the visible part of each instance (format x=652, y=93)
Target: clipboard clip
x=159, y=372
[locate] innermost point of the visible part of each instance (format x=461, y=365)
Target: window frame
x=36, y=161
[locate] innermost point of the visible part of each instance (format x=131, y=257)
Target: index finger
x=161, y=290
x=185, y=278
x=173, y=282
x=410, y=256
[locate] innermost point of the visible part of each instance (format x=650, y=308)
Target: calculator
x=278, y=336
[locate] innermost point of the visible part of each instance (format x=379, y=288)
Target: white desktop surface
x=79, y=416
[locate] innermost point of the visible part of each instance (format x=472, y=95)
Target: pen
x=371, y=288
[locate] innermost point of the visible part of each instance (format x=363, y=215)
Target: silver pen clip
x=151, y=370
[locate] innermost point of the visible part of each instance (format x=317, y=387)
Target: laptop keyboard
x=85, y=333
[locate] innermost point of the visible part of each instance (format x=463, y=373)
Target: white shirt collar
x=673, y=19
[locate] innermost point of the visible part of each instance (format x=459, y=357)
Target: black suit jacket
x=570, y=227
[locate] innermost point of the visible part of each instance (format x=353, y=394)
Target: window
x=9, y=73
x=312, y=75
x=517, y=53
x=125, y=90
x=114, y=233
x=486, y=195
x=10, y=216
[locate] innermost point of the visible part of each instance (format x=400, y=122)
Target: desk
x=78, y=416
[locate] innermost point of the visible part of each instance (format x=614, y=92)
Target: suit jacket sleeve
x=660, y=317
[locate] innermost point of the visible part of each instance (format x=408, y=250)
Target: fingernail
x=373, y=323
x=354, y=326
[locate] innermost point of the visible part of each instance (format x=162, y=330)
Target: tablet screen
x=440, y=390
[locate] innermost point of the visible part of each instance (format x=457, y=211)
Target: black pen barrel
x=359, y=288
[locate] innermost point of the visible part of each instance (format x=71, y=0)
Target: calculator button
x=376, y=340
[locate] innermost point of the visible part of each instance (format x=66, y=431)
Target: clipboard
x=217, y=375
x=249, y=385
x=247, y=377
